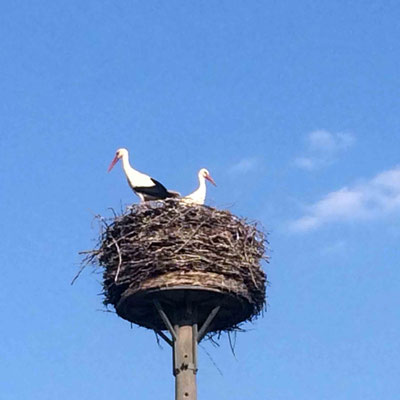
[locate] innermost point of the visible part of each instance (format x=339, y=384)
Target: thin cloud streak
x=334, y=248
x=305, y=163
x=323, y=148
x=324, y=141
x=244, y=166
x=373, y=199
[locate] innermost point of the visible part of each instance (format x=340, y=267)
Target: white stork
x=199, y=195
x=143, y=185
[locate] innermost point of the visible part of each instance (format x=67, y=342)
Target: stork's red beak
x=113, y=162
x=208, y=177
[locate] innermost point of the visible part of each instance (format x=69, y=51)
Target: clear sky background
x=292, y=106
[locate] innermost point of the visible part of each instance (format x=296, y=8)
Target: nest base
x=179, y=254
x=138, y=307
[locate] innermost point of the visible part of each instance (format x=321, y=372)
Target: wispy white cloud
x=323, y=147
x=245, y=165
x=322, y=140
x=375, y=198
x=305, y=163
x=334, y=248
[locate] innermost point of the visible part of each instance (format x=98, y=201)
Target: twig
x=190, y=238
x=232, y=345
x=119, y=259
x=89, y=252
x=211, y=359
x=158, y=340
x=79, y=272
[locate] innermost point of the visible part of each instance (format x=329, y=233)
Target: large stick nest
x=169, y=244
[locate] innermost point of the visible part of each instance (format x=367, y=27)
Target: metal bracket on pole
x=175, y=369
x=165, y=319
x=207, y=322
x=194, y=345
x=184, y=339
x=165, y=337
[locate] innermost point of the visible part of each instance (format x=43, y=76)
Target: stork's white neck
x=135, y=177
x=125, y=164
x=199, y=195
x=202, y=182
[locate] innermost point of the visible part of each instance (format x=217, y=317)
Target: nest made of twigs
x=169, y=244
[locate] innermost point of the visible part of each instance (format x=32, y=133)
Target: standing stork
x=143, y=185
x=199, y=195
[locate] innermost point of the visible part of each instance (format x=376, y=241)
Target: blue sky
x=292, y=106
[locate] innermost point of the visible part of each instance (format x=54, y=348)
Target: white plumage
x=199, y=195
x=143, y=185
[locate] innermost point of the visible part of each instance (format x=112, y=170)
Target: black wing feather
x=158, y=191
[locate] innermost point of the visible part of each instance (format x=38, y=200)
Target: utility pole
x=185, y=338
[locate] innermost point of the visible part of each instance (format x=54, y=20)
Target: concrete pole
x=185, y=337
x=185, y=362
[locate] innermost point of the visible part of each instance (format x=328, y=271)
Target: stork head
x=205, y=174
x=118, y=154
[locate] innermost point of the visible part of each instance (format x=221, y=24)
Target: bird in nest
x=199, y=195
x=144, y=186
